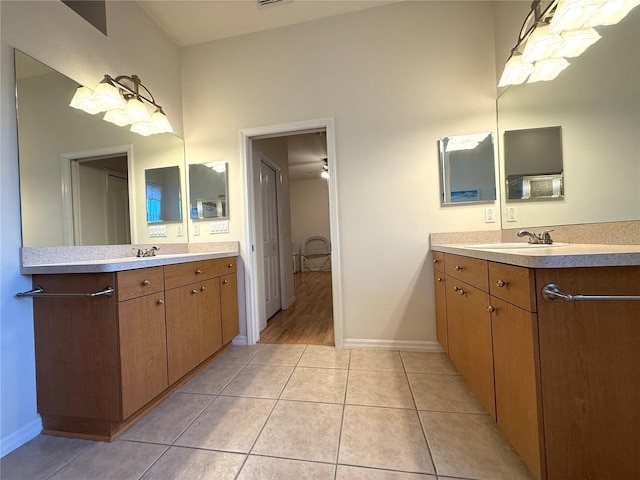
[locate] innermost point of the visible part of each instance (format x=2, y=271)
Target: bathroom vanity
x=561, y=377
x=113, y=338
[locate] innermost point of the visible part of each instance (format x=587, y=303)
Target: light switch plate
x=158, y=231
x=511, y=214
x=219, y=227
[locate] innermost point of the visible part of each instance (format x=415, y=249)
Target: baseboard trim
x=9, y=443
x=240, y=340
x=413, y=345
x=289, y=302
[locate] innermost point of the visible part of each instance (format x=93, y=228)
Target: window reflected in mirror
x=163, y=195
x=467, y=169
x=208, y=190
x=533, y=163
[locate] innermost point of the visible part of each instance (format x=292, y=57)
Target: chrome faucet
x=543, y=238
x=151, y=252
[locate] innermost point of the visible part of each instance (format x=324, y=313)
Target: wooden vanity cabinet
x=101, y=362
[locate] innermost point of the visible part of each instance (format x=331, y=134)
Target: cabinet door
x=518, y=409
x=193, y=326
x=229, y=307
x=143, y=351
x=441, y=309
x=456, y=337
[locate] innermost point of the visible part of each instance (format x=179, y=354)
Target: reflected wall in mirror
x=596, y=101
x=163, y=194
x=208, y=190
x=467, y=169
x=533, y=163
x=59, y=145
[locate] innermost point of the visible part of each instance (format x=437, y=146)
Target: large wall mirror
x=596, y=104
x=208, y=191
x=467, y=169
x=82, y=180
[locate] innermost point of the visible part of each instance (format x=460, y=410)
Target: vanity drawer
x=438, y=261
x=186, y=273
x=469, y=270
x=135, y=283
x=513, y=284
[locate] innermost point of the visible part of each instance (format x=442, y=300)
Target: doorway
x=255, y=283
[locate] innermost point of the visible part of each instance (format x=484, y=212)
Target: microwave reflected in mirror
x=208, y=190
x=467, y=169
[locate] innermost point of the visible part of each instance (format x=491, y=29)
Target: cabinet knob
x=225, y=282
x=435, y=261
x=194, y=291
x=501, y=283
x=203, y=288
x=146, y=282
x=439, y=279
x=455, y=289
x=491, y=309
x=198, y=272
x=461, y=291
x=230, y=265
x=458, y=268
x=161, y=301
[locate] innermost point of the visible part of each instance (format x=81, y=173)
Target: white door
x=118, y=229
x=270, y=247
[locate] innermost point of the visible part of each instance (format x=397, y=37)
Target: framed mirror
x=100, y=166
x=208, y=191
x=163, y=194
x=467, y=169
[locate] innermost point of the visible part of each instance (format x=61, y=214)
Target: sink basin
x=506, y=245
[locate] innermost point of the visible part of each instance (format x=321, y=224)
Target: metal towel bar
x=552, y=292
x=39, y=292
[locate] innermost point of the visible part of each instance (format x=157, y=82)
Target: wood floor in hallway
x=310, y=319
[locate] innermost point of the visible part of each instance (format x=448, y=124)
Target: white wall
x=55, y=35
x=309, y=211
x=395, y=78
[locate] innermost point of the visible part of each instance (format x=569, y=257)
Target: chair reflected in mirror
x=315, y=254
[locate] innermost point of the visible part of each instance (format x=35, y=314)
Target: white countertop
x=55, y=260
x=561, y=256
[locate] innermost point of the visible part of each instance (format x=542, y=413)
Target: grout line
x=71, y=459
x=154, y=462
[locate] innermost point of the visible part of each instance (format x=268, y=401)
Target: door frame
x=249, y=251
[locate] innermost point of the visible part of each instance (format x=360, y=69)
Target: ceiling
x=189, y=22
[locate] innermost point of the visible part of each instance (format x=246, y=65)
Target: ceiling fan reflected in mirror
x=324, y=171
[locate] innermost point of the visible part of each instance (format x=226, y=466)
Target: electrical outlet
x=179, y=231
x=511, y=214
x=196, y=229
x=489, y=215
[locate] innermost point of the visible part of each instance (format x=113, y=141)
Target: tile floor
x=296, y=412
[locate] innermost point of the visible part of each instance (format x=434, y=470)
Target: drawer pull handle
x=439, y=279
x=225, y=282
x=458, y=268
x=501, y=283
x=230, y=265
x=194, y=291
x=203, y=288
x=146, y=282
x=161, y=301
x=491, y=309
x=198, y=272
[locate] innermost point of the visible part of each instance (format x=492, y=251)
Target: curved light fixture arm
x=134, y=89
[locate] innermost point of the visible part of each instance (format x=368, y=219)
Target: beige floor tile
x=168, y=420
x=470, y=446
x=267, y=468
x=239, y=353
x=212, y=379
x=119, y=460
x=40, y=457
x=386, y=438
x=428, y=362
x=444, y=393
x=325, y=357
x=193, y=464
x=345, y=472
x=302, y=431
x=388, y=360
x=379, y=388
x=283, y=355
x=230, y=423
x=266, y=381
x=316, y=385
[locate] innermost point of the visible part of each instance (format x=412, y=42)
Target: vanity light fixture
x=562, y=30
x=465, y=142
x=123, y=104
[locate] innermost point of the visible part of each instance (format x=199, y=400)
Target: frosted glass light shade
x=118, y=117
x=83, y=100
x=548, y=69
x=572, y=14
x=515, y=71
x=142, y=128
x=541, y=44
x=136, y=111
x=611, y=12
x=577, y=41
x=108, y=97
x=160, y=123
